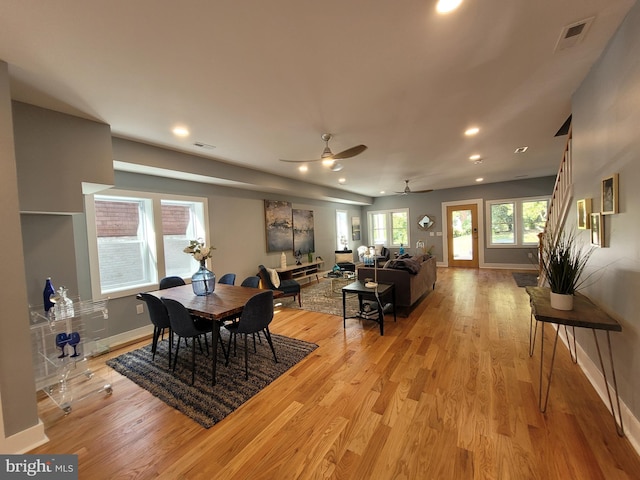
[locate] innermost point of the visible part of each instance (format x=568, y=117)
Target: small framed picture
x=610, y=195
x=584, y=213
x=596, y=229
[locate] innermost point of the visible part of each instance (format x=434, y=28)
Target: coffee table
x=336, y=284
x=377, y=294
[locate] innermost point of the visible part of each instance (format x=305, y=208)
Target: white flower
x=198, y=250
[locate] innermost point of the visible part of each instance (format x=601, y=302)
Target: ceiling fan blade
x=350, y=152
x=422, y=191
x=301, y=161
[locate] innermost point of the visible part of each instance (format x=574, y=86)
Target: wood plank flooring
x=448, y=393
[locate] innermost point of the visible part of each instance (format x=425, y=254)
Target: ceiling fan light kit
x=328, y=158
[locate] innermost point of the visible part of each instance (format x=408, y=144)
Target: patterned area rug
x=204, y=403
x=318, y=297
x=525, y=279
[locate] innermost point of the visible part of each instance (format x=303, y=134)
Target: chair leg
x=175, y=358
x=224, y=352
x=154, y=343
x=246, y=358
x=229, y=349
x=193, y=362
x=267, y=334
x=299, y=298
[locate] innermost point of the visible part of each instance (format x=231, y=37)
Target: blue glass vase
x=203, y=281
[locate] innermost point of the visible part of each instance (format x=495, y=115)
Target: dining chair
x=256, y=317
x=173, y=281
x=289, y=288
x=253, y=282
x=160, y=320
x=228, y=279
x=183, y=325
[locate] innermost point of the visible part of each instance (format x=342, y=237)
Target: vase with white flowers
x=203, y=281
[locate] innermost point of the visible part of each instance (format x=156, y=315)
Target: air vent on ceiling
x=573, y=34
x=204, y=145
x=521, y=149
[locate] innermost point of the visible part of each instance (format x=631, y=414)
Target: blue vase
x=203, y=281
x=47, y=293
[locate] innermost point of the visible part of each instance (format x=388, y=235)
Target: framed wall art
x=584, y=213
x=596, y=229
x=355, y=228
x=303, y=231
x=279, y=226
x=610, y=195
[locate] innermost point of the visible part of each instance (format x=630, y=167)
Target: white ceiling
x=263, y=80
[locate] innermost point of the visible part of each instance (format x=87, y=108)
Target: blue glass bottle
x=46, y=295
x=203, y=281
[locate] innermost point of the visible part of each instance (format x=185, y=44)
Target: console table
x=584, y=315
x=303, y=271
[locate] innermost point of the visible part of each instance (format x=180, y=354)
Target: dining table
x=225, y=302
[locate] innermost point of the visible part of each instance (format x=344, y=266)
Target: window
x=389, y=228
x=516, y=222
x=137, y=238
x=342, y=230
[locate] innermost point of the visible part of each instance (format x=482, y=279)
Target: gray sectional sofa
x=410, y=286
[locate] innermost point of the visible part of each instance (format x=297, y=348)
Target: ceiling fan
x=407, y=190
x=328, y=157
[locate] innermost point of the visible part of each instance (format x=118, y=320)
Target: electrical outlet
x=140, y=308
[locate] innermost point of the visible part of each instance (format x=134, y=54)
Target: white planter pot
x=560, y=301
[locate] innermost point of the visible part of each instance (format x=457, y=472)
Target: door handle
x=475, y=232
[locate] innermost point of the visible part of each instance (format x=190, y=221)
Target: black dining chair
x=289, y=288
x=183, y=325
x=256, y=317
x=160, y=320
x=173, y=281
x=253, y=282
x=228, y=279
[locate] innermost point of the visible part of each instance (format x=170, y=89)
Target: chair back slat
x=168, y=282
x=180, y=318
x=157, y=311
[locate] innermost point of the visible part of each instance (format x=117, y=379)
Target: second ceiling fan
x=408, y=190
x=328, y=156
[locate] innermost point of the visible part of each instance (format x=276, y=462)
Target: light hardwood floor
x=448, y=393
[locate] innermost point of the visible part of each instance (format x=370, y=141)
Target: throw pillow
x=273, y=275
x=378, y=249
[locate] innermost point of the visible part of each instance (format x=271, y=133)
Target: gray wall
x=18, y=401
x=606, y=115
x=431, y=203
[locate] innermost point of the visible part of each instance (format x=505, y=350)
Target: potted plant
x=563, y=263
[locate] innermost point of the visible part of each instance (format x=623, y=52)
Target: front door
x=462, y=235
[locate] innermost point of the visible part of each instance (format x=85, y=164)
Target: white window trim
x=387, y=214
x=517, y=221
x=155, y=239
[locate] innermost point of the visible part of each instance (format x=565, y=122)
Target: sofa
x=414, y=277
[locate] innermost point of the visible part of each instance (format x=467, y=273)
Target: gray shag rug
x=317, y=297
x=525, y=279
x=204, y=403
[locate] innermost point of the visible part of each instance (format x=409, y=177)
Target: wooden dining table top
x=226, y=300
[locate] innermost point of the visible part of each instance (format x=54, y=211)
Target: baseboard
x=595, y=377
x=510, y=266
x=24, y=441
x=119, y=340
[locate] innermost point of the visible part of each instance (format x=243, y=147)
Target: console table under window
x=584, y=315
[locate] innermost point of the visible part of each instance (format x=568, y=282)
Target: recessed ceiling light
x=342, y=180
x=303, y=168
x=382, y=192
x=180, y=131
x=446, y=6
x=470, y=132
x=475, y=157
x=521, y=149
x=479, y=179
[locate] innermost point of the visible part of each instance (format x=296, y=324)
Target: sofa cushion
x=408, y=264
